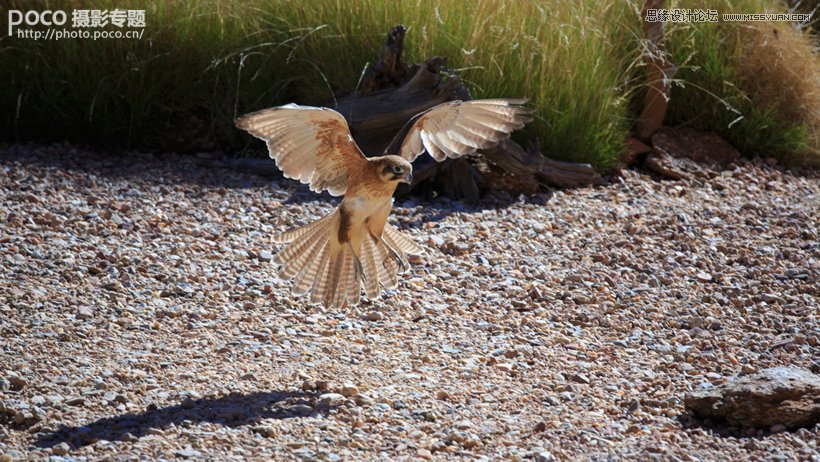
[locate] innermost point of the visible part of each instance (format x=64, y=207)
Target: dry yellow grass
x=775, y=65
x=755, y=84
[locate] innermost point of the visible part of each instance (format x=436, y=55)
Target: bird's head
x=395, y=169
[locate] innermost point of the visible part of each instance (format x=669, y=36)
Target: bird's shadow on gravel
x=234, y=410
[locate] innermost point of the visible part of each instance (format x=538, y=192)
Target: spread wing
x=458, y=128
x=309, y=144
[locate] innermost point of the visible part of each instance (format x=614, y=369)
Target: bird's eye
x=397, y=169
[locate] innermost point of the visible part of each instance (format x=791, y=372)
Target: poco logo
x=35, y=18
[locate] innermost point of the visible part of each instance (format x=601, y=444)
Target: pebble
x=331, y=398
x=505, y=367
x=770, y=298
x=349, y=389
x=265, y=430
x=61, y=449
x=321, y=385
x=703, y=277
x=425, y=454
x=16, y=380
x=544, y=456
x=713, y=376
x=301, y=409
x=85, y=312
x=372, y=316
x=552, y=400
x=436, y=241
x=20, y=417
x=188, y=453
x=747, y=369
x=265, y=255
x=634, y=405
x=465, y=424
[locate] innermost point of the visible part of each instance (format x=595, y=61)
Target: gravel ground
x=140, y=318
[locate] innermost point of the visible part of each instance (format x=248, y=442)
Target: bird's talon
x=359, y=269
x=357, y=264
x=401, y=262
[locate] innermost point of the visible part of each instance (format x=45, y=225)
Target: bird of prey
x=331, y=258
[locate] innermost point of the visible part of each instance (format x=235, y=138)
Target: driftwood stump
x=392, y=92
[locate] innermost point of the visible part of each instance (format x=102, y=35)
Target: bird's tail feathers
x=399, y=241
x=327, y=270
x=295, y=233
x=318, y=264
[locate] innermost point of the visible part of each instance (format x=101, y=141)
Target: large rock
x=704, y=147
x=778, y=396
x=684, y=153
x=676, y=168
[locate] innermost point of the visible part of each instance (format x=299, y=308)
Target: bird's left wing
x=309, y=144
x=457, y=128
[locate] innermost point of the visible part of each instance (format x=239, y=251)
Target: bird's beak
x=407, y=178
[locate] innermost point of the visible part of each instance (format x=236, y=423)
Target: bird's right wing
x=457, y=128
x=309, y=144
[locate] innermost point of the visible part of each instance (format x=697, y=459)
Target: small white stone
x=506, y=367
x=85, y=312
x=61, y=449
x=372, y=316
x=350, y=389
x=331, y=398
x=703, y=277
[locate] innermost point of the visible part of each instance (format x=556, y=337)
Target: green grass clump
x=200, y=64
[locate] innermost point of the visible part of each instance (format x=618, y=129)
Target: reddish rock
x=633, y=147
x=676, y=168
x=694, y=144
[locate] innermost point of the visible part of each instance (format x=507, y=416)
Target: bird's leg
x=404, y=265
x=357, y=264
